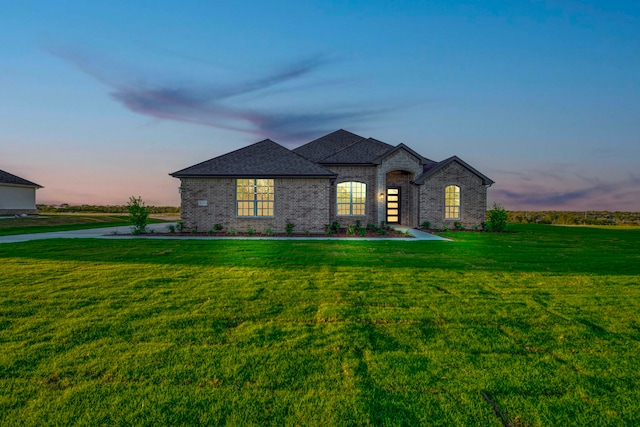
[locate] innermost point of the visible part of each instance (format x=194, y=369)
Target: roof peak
x=11, y=179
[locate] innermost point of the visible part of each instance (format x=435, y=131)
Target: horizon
x=102, y=101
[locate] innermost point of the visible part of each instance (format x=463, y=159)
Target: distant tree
x=138, y=215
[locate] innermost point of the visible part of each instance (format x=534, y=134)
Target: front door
x=393, y=205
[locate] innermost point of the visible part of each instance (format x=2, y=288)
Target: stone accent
x=409, y=196
x=301, y=201
x=473, y=197
x=400, y=160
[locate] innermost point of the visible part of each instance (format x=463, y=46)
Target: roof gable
x=8, y=178
x=423, y=160
x=262, y=159
x=328, y=145
x=431, y=169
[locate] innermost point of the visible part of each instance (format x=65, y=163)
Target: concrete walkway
x=124, y=232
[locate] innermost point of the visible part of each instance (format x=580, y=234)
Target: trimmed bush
x=497, y=218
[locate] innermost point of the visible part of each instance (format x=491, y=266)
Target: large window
x=352, y=198
x=254, y=197
x=452, y=202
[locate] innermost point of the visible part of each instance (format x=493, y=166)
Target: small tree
x=497, y=218
x=138, y=215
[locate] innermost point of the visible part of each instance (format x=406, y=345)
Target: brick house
x=17, y=195
x=339, y=177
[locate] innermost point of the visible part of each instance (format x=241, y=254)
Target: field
x=536, y=327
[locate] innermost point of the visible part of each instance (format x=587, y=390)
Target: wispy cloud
x=562, y=191
x=217, y=105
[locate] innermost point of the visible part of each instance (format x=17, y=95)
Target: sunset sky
x=100, y=101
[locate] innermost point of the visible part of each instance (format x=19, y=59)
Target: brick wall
x=473, y=197
x=303, y=202
x=366, y=174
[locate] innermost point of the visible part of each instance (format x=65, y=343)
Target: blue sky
x=101, y=100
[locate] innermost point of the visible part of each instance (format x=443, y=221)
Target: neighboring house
x=339, y=177
x=17, y=195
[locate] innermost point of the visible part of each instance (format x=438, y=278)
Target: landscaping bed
x=331, y=230
x=340, y=234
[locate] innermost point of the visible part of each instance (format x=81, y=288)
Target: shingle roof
x=262, y=159
x=431, y=169
x=344, y=147
x=364, y=151
x=328, y=145
x=7, y=178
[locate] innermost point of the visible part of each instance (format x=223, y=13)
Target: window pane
x=351, y=198
x=452, y=202
x=254, y=197
x=343, y=209
x=358, y=209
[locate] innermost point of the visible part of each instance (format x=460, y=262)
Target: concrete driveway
x=91, y=233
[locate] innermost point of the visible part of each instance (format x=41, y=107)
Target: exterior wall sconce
x=381, y=196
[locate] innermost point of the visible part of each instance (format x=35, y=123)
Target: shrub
x=138, y=215
x=217, y=227
x=233, y=231
x=363, y=232
x=351, y=230
x=251, y=231
x=268, y=232
x=289, y=228
x=328, y=230
x=372, y=227
x=426, y=225
x=172, y=228
x=458, y=226
x=335, y=226
x=180, y=227
x=497, y=218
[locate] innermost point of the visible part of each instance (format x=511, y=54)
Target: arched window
x=452, y=202
x=352, y=197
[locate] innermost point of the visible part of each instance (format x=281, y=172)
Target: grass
x=61, y=222
x=532, y=328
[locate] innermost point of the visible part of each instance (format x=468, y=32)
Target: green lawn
x=61, y=222
x=538, y=327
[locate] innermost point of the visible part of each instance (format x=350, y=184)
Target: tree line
x=114, y=209
x=575, y=218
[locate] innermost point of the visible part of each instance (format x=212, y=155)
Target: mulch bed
x=342, y=233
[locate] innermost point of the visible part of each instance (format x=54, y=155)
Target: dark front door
x=393, y=205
